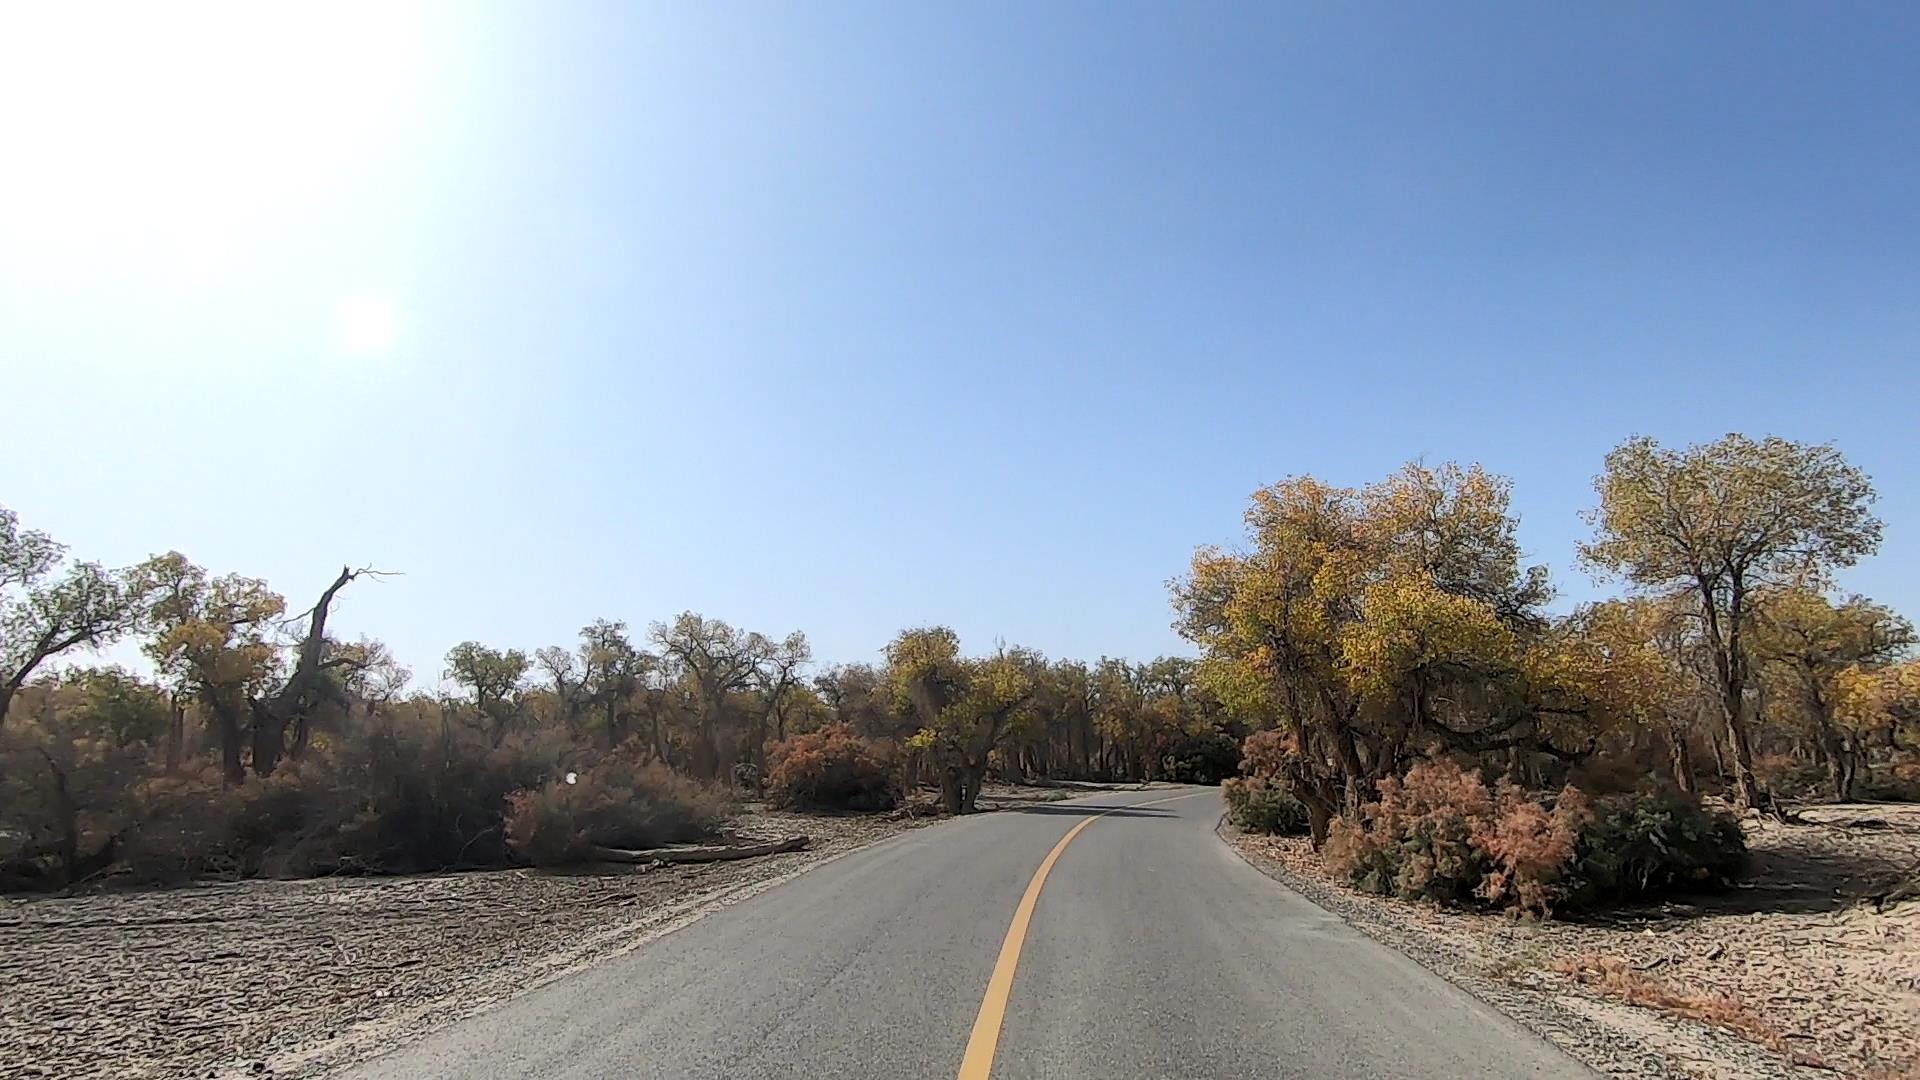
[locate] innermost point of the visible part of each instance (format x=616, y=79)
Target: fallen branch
x=699, y=854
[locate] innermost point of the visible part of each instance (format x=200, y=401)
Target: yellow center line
x=978, y=1062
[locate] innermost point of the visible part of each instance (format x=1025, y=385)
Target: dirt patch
x=284, y=978
x=1804, y=971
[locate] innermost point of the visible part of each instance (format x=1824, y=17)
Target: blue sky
x=847, y=318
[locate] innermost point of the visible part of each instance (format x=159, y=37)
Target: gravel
x=1838, y=980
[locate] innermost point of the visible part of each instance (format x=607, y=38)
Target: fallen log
x=699, y=854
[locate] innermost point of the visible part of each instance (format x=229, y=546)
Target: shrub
x=1416, y=842
x=618, y=804
x=1267, y=754
x=405, y=796
x=1531, y=848
x=1784, y=774
x=1261, y=806
x=1439, y=834
x=1207, y=758
x=832, y=769
x=1640, y=845
x=182, y=828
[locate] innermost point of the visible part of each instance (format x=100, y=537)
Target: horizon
x=850, y=319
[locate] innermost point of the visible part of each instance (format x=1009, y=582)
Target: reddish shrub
x=1267, y=754
x=1531, y=848
x=1438, y=834
x=832, y=769
x=1417, y=841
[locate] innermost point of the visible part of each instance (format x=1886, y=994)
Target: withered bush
x=832, y=769
x=617, y=803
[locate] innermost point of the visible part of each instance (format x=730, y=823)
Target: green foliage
x=1641, y=845
x=44, y=612
x=1204, y=758
x=1259, y=806
x=618, y=803
x=112, y=704
x=832, y=769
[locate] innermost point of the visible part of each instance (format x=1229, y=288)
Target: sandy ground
x=286, y=978
x=1799, y=973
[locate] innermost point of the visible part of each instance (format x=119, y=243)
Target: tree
x=313, y=684
x=111, y=704
x=1378, y=624
x=718, y=660
x=211, y=639
x=570, y=692
x=44, y=613
x=775, y=674
x=1880, y=708
x=965, y=706
x=493, y=678
x=1639, y=661
x=613, y=673
x=859, y=696
x=1724, y=522
x=1809, y=644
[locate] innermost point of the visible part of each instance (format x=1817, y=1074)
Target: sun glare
x=366, y=324
x=160, y=139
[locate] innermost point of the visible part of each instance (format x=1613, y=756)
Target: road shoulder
x=1611, y=1038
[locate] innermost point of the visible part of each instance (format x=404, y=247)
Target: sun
x=366, y=324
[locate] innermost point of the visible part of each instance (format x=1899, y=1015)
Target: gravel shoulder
x=1819, y=980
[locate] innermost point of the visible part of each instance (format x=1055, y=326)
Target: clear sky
x=848, y=318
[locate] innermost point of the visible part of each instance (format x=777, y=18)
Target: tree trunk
x=7, y=690
x=1680, y=758
x=1746, y=791
x=952, y=791
x=69, y=816
x=1318, y=819
x=970, y=786
x=227, y=719
x=269, y=739
x=176, y=734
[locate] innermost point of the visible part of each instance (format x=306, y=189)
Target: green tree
x=1724, y=522
x=45, y=612
x=494, y=679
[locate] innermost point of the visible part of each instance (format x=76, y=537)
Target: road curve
x=1152, y=951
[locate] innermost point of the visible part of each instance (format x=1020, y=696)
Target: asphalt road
x=1151, y=950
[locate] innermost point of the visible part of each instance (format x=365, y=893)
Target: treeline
x=263, y=743
x=1399, y=657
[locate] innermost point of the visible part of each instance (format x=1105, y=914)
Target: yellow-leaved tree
x=1721, y=524
x=1378, y=624
x=965, y=705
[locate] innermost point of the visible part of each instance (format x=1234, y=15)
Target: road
x=1149, y=950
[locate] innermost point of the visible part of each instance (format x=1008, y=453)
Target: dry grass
x=1616, y=978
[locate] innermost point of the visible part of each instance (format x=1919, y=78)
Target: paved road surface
x=1152, y=950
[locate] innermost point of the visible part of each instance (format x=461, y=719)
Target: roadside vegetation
x=1428, y=730
x=262, y=744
